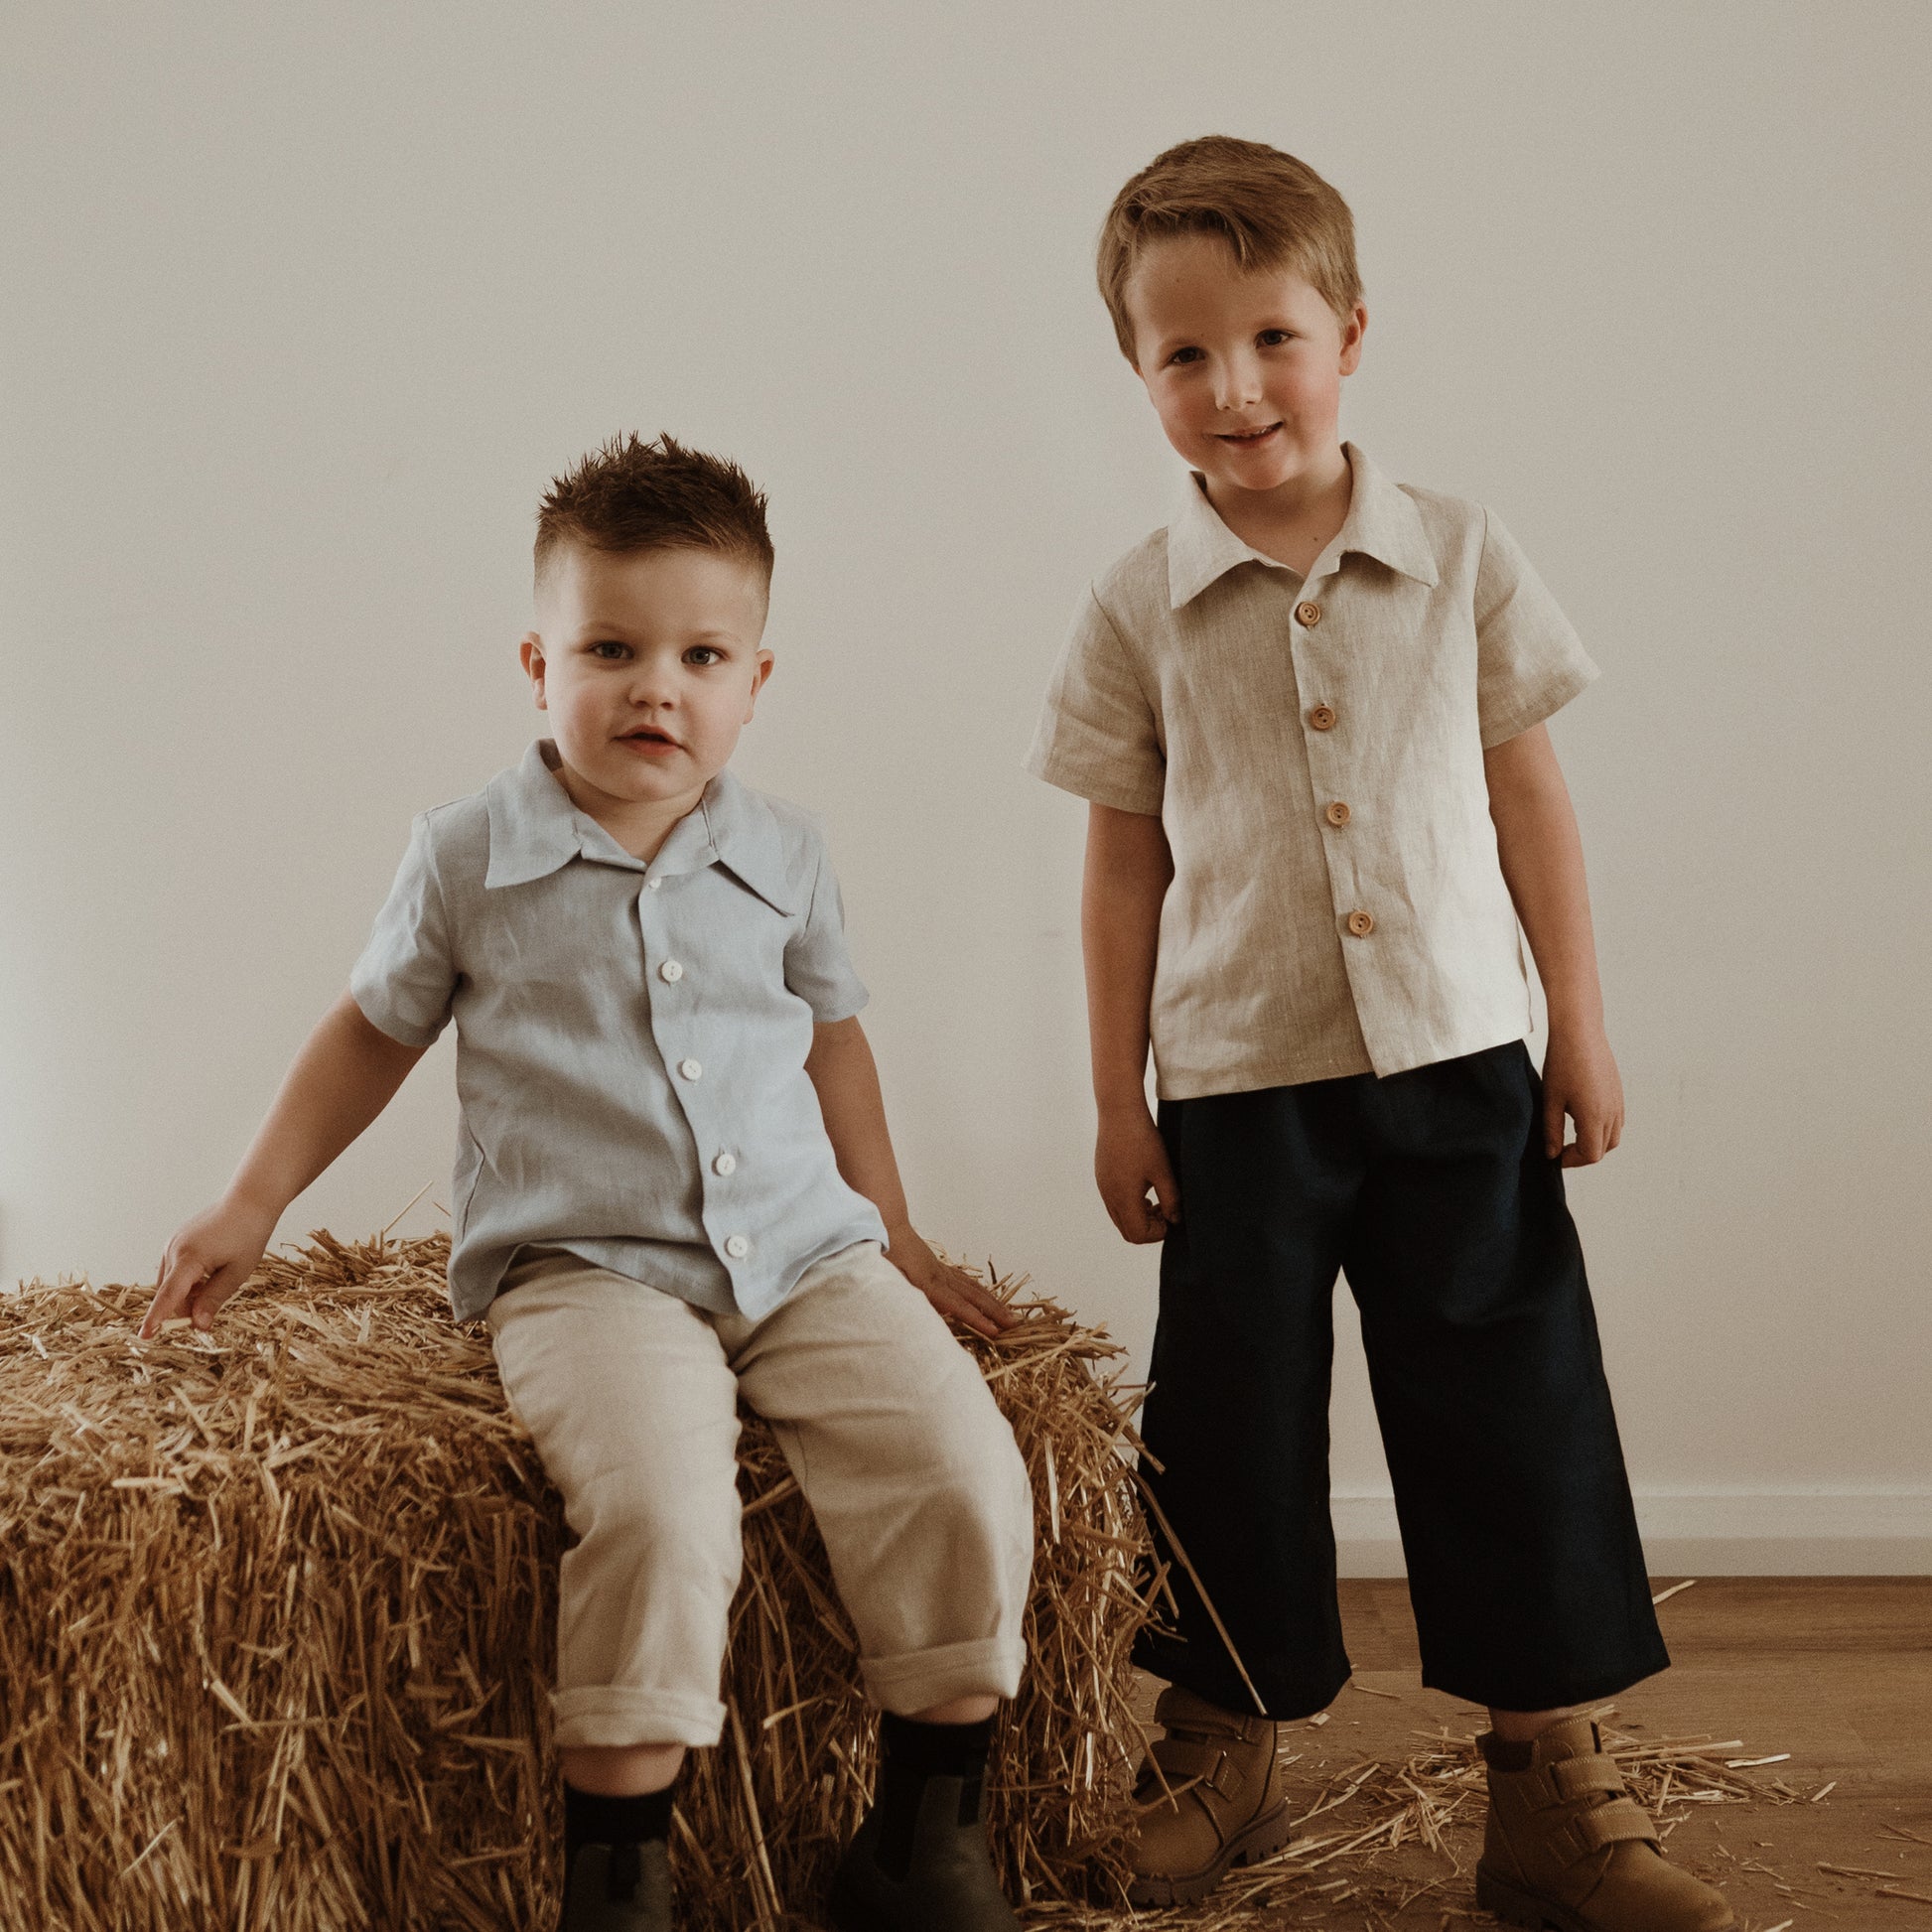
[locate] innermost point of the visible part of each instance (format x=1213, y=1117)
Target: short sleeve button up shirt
x=631, y=1037
x=1315, y=752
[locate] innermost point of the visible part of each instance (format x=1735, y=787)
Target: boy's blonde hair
x=1271, y=211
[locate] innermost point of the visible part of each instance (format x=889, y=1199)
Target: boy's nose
x=1240, y=383
x=654, y=685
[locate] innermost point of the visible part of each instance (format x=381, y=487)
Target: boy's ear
x=1351, y=339
x=531, y=655
x=760, y=671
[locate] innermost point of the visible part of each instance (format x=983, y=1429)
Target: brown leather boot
x=1568, y=1846
x=1221, y=1803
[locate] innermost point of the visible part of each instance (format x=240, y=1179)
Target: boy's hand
x=206, y=1261
x=1129, y=1163
x=1579, y=1078
x=953, y=1292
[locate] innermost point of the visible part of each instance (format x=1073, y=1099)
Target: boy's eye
x=609, y=650
x=1186, y=355
x=704, y=654
x=1273, y=337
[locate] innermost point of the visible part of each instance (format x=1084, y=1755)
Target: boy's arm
x=1543, y=865
x=842, y=1070
x=1128, y=871
x=346, y=1072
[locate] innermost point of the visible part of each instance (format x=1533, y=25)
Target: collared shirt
x=1314, y=750
x=631, y=1037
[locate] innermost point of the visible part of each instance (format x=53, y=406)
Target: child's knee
x=645, y=1517
x=982, y=1486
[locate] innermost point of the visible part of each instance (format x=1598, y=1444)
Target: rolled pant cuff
x=609, y=1716
x=916, y=1680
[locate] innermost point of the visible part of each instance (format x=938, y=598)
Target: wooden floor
x=1838, y=1671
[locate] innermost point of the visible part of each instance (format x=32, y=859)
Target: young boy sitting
x=675, y=1191
x=1308, y=716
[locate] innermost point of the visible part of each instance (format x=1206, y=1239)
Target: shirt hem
x=469, y=1302
x=1292, y=1074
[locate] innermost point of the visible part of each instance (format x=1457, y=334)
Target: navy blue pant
x=1432, y=1190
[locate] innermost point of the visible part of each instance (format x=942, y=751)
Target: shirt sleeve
x=1530, y=663
x=818, y=965
x=406, y=979
x=1097, y=734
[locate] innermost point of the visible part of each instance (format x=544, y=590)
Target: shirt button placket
x=1357, y=923
x=671, y=972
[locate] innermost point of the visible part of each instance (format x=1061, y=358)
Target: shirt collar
x=1382, y=522
x=744, y=835
x=535, y=829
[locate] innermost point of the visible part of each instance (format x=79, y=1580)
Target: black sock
x=623, y=1824
x=910, y=1754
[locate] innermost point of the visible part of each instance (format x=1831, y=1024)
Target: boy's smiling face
x=1244, y=369
x=649, y=665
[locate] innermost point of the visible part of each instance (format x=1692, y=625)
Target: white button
x=670, y=970
x=653, y=884
x=691, y=1070
x=725, y=1163
x=736, y=1246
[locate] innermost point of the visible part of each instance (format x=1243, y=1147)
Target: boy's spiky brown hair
x=1271, y=211
x=659, y=496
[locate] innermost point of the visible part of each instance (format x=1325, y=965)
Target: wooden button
x=1308, y=613
x=1322, y=718
x=1361, y=924
x=1338, y=813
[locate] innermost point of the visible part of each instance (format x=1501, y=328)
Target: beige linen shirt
x=1314, y=750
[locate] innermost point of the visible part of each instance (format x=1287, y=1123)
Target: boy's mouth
x=647, y=738
x=1248, y=438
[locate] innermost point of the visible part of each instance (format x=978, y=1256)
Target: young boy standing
x=675, y=1191
x=1308, y=716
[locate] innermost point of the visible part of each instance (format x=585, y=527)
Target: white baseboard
x=1715, y=1532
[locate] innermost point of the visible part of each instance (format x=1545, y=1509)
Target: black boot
x=617, y=1872
x=920, y=1863
x=619, y=1888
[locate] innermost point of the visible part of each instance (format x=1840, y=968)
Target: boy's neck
x=1298, y=519
x=639, y=825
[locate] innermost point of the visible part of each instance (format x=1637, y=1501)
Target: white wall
x=301, y=307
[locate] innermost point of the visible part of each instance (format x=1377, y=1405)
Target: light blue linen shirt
x=631, y=1038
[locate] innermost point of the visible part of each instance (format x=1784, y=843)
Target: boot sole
x=1516, y=1907
x=1262, y=1839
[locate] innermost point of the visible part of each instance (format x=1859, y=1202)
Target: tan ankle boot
x=1568, y=1846
x=1221, y=1803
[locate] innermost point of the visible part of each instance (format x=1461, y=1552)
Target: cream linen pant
x=632, y=1396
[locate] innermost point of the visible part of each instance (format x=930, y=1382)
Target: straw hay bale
x=276, y=1620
